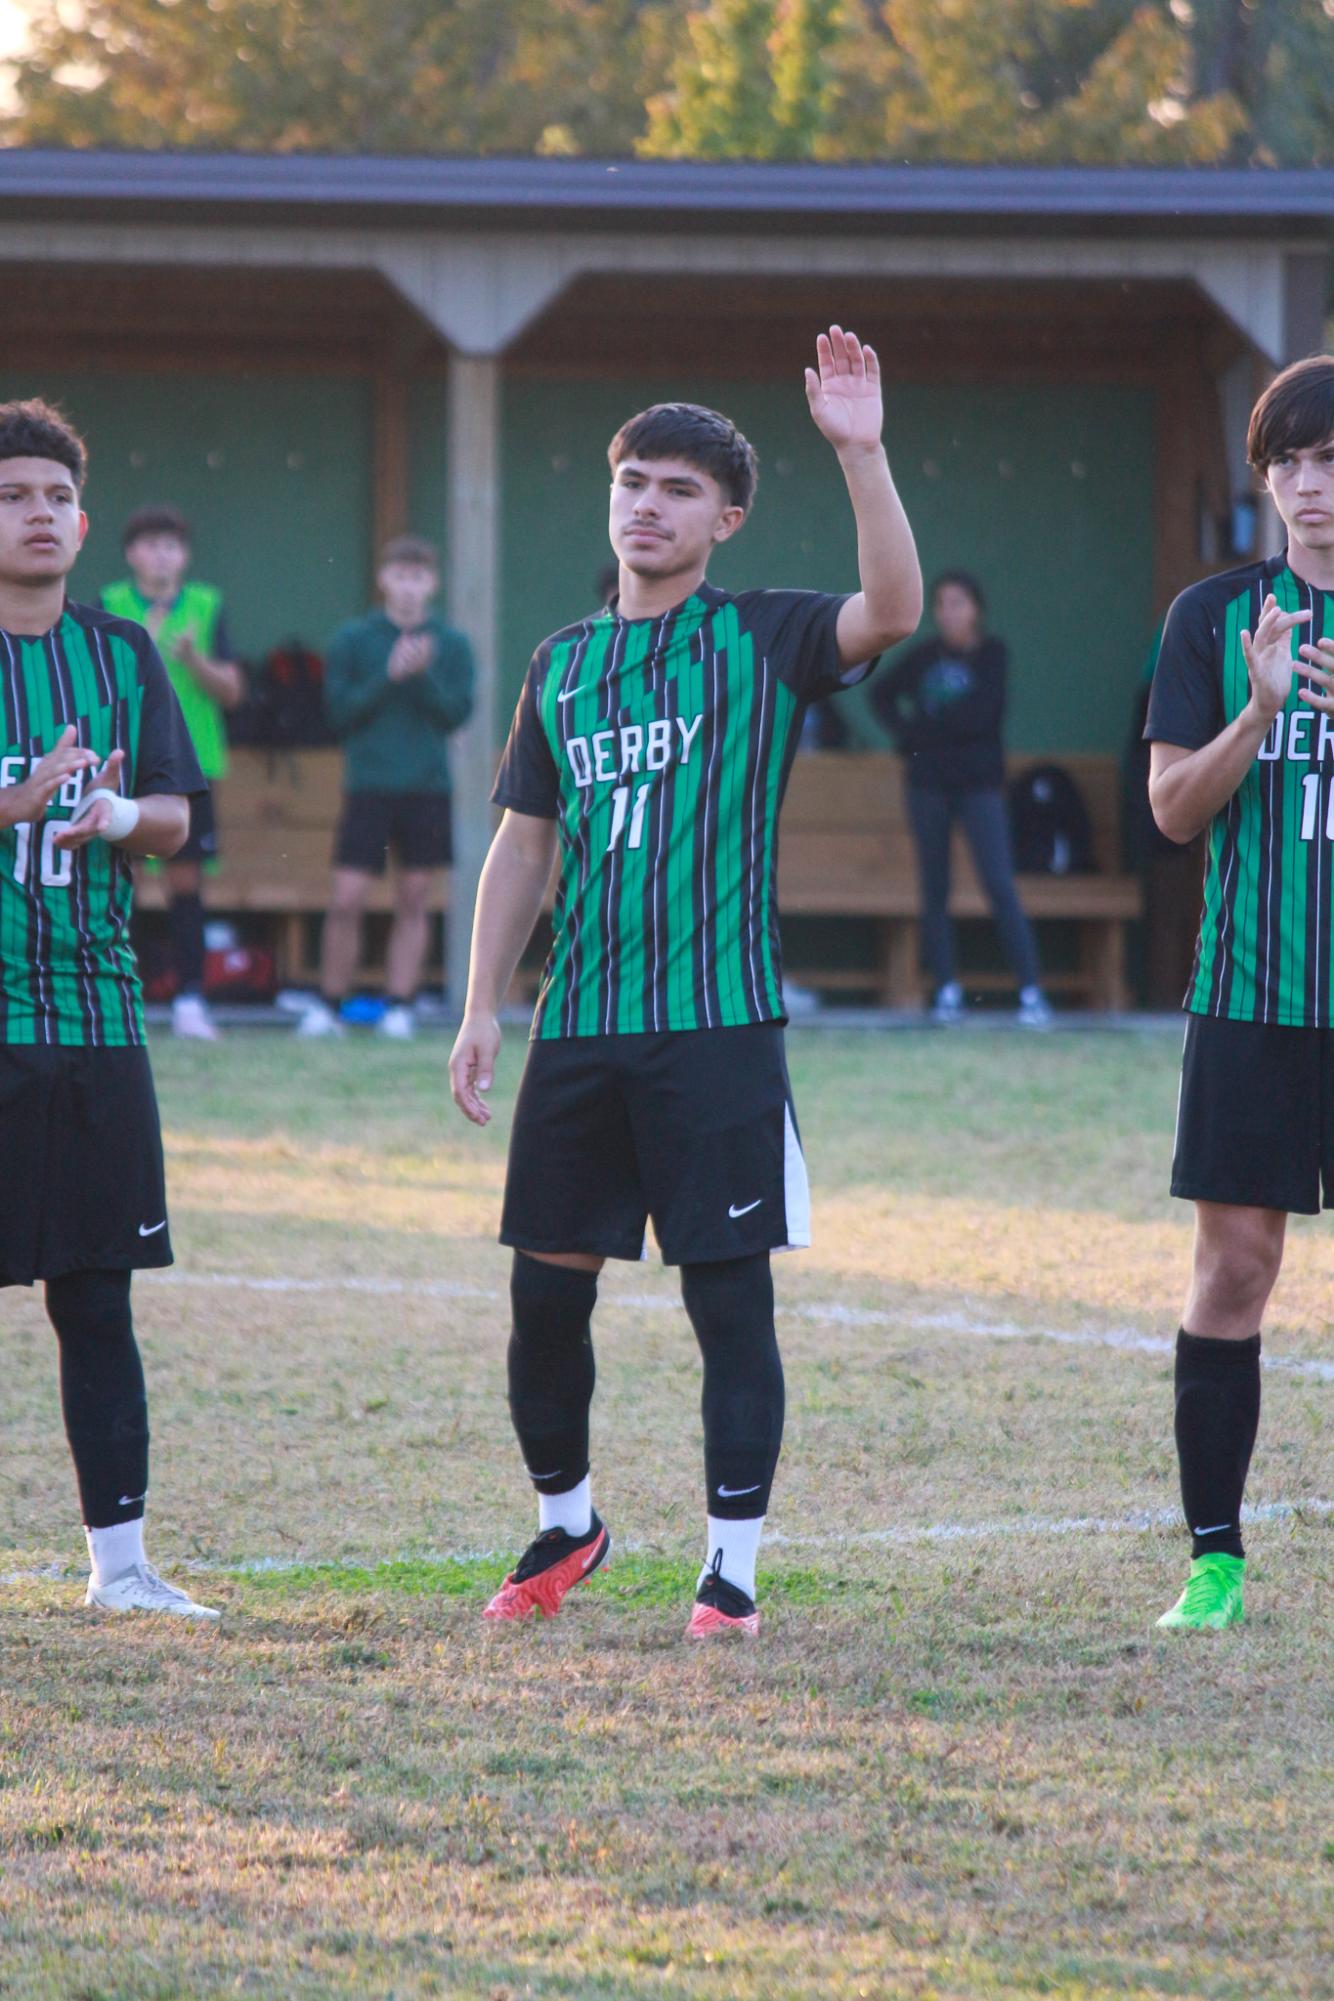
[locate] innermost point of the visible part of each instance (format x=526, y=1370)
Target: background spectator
x=944, y=704
x=184, y=618
x=396, y=683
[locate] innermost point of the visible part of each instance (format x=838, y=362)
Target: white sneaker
x=140, y=1589
x=190, y=1017
x=397, y=1023
x=948, y=1007
x=799, y=1000
x=1034, y=1008
x=318, y=1019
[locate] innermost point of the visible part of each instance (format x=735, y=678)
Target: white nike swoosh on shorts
x=145, y=1232
x=734, y=1212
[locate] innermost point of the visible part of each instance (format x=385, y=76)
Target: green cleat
x=1212, y=1597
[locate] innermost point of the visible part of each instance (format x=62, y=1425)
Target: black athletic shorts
x=201, y=843
x=82, y=1151
x=1255, y=1120
x=416, y=825
x=695, y=1129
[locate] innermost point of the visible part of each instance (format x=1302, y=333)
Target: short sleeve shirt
x=67, y=970
x=662, y=748
x=1266, y=944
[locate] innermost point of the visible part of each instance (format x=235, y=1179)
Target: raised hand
x=1318, y=661
x=844, y=394
x=30, y=800
x=1268, y=654
x=94, y=815
x=412, y=653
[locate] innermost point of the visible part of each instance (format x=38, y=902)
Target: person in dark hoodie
x=944, y=704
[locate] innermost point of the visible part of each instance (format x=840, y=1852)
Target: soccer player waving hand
x=650, y=752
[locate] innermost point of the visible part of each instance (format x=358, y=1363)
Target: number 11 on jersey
x=621, y=810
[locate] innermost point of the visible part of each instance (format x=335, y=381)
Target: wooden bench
x=845, y=852
x=277, y=812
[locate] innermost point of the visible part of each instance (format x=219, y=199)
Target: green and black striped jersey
x=1266, y=946
x=662, y=748
x=67, y=970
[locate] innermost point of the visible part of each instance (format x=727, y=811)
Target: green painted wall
x=1046, y=493
x=273, y=472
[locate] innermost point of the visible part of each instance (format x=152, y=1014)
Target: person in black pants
x=943, y=705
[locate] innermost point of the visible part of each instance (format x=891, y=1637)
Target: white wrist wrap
x=124, y=812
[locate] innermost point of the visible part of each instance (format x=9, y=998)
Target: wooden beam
x=1176, y=489
x=472, y=578
x=389, y=454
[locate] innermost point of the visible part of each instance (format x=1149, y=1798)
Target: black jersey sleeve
x=166, y=761
x=1186, y=699
x=528, y=781
x=798, y=632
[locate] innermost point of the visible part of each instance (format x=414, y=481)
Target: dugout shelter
x=309, y=354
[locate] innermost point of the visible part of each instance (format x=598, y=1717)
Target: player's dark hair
x=1295, y=412
x=410, y=549
x=156, y=521
x=704, y=438
x=36, y=430
x=962, y=580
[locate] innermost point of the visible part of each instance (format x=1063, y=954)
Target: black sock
x=551, y=1370
x=731, y=1308
x=1217, y=1417
x=102, y=1393
x=186, y=922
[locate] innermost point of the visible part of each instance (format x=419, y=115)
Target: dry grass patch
x=951, y=1770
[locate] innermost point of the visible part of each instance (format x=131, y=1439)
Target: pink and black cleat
x=721, y=1607
x=549, y=1567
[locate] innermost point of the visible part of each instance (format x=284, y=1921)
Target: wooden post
x=472, y=571
x=389, y=489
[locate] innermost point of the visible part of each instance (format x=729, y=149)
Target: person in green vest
x=397, y=683
x=185, y=621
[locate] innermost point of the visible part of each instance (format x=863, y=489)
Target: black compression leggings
x=102, y=1393
x=731, y=1308
x=551, y=1373
x=551, y=1376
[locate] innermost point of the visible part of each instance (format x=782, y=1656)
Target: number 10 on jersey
x=622, y=810
x=1311, y=808
x=56, y=865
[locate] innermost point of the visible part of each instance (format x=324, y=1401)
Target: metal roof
x=677, y=194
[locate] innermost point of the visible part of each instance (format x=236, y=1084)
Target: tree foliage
x=348, y=76
x=1125, y=81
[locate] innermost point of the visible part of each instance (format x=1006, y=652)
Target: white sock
x=739, y=1543
x=114, y=1550
x=572, y=1512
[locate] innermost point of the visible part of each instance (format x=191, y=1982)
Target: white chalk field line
x=897, y=1536
x=1127, y=1339
x=900, y=1535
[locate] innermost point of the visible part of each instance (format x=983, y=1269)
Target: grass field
x=959, y=1763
